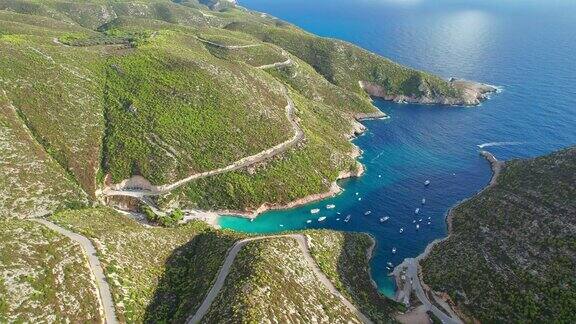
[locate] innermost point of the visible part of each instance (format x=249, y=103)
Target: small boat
x=419, y=220
x=427, y=182
x=417, y=226
x=417, y=211
x=321, y=218
x=423, y=201
x=393, y=250
x=429, y=223
x=401, y=229
x=390, y=264
x=347, y=219
x=379, y=176
x=414, y=222
x=281, y=225
x=429, y=217
x=383, y=219
x=368, y=213
x=356, y=194
x=309, y=221
x=359, y=199
x=337, y=213
x=388, y=268
x=337, y=219
x=251, y=219
x=330, y=206
x=314, y=211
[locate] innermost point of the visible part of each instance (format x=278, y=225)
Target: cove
x=526, y=47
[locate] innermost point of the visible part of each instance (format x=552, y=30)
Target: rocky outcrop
x=470, y=93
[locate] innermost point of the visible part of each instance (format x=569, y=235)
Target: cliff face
x=511, y=253
x=470, y=93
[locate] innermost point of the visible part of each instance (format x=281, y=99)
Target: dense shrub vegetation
x=511, y=256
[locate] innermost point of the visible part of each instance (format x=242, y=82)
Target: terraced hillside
x=512, y=252
x=165, y=90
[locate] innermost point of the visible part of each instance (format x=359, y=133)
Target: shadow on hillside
x=189, y=273
x=354, y=272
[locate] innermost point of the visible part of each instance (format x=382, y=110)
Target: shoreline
x=357, y=129
x=398, y=272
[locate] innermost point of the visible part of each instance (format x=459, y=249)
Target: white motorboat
x=401, y=230
x=423, y=201
x=417, y=211
x=330, y=206
x=427, y=182
x=383, y=219
x=393, y=250
x=309, y=221
x=347, y=219
x=314, y=211
x=368, y=213
x=321, y=218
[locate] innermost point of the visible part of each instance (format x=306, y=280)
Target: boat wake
x=499, y=144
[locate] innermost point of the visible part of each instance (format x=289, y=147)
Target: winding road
x=239, y=164
x=105, y=297
x=231, y=256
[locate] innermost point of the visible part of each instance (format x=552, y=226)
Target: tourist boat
x=417, y=226
x=314, y=211
x=383, y=219
x=427, y=182
x=321, y=218
x=393, y=250
x=368, y=213
x=309, y=221
x=330, y=206
x=347, y=219
x=423, y=201
x=417, y=211
x=401, y=229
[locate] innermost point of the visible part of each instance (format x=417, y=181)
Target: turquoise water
x=526, y=47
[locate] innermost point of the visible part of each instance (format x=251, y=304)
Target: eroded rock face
x=471, y=93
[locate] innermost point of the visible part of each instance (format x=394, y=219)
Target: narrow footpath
x=231, y=256
x=105, y=297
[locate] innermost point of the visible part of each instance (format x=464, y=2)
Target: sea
x=525, y=47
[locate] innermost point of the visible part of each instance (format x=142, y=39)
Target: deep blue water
x=526, y=47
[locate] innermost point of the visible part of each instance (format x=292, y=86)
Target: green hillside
x=512, y=252
x=163, y=89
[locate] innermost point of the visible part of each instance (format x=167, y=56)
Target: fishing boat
x=393, y=250
x=427, y=182
x=314, y=211
x=330, y=206
x=423, y=201
x=309, y=221
x=417, y=211
x=368, y=213
x=383, y=219
x=429, y=217
x=347, y=219
x=401, y=230
x=321, y=218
